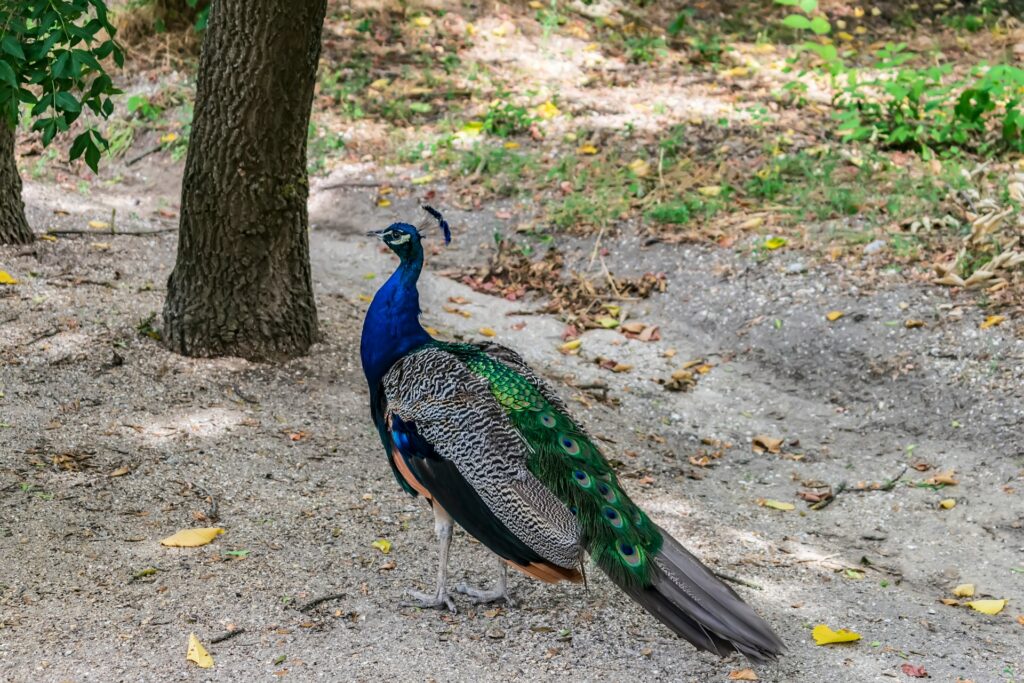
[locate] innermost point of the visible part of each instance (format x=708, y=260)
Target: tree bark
x=241, y=285
x=13, y=225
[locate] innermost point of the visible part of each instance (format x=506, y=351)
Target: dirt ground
x=110, y=443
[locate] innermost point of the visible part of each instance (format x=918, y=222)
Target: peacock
x=473, y=430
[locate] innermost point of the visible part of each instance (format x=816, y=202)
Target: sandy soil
x=285, y=459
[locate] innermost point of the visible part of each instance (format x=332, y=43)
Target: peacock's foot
x=479, y=596
x=437, y=600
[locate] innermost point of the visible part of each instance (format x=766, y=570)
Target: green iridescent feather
x=618, y=535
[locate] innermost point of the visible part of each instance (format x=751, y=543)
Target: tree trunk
x=13, y=226
x=241, y=285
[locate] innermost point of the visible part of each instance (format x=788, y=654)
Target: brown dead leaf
x=743, y=675
x=120, y=471
x=457, y=311
x=763, y=443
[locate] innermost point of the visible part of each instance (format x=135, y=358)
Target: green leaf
x=79, y=145
x=820, y=26
x=808, y=6
x=92, y=157
x=797, y=22
x=788, y=3
x=7, y=74
x=12, y=47
x=67, y=102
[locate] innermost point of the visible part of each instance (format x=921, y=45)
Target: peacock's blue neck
x=392, y=326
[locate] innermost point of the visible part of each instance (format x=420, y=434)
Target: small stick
x=361, y=183
x=736, y=579
x=139, y=157
x=226, y=636
x=316, y=601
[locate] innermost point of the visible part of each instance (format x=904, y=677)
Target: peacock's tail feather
x=640, y=557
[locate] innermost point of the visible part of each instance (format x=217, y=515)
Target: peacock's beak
x=379, y=234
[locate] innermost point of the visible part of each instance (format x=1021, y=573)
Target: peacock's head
x=404, y=239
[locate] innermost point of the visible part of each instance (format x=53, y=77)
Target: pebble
x=796, y=267
x=875, y=247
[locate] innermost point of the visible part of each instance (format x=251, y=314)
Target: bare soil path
x=108, y=443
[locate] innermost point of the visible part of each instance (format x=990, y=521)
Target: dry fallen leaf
x=914, y=671
x=487, y=332
x=990, y=607
x=570, y=345
x=775, y=504
x=942, y=479
x=6, y=279
x=742, y=675
x=833, y=316
x=992, y=321
x=774, y=243
x=912, y=324
x=947, y=503
x=964, y=590
x=762, y=443
x=120, y=471
x=99, y=225
x=197, y=653
x=192, y=538
x=382, y=545
x=823, y=635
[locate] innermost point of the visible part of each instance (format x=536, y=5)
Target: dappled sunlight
x=206, y=423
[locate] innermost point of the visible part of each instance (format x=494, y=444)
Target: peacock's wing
x=456, y=443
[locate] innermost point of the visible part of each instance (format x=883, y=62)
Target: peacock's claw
x=479, y=596
x=437, y=600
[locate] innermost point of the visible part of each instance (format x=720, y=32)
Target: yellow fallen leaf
x=775, y=504
x=608, y=322
x=571, y=345
x=992, y=321
x=511, y=144
x=170, y=137
x=912, y=324
x=379, y=84
x=843, y=35
x=421, y=21
x=432, y=331
x=947, y=503
x=382, y=545
x=100, y=246
x=487, y=332
x=6, y=279
x=823, y=635
x=383, y=203
x=990, y=607
x=423, y=179
x=586, y=149
x=365, y=297
x=949, y=602
x=99, y=225
x=535, y=4
x=735, y=72
x=192, y=538
x=774, y=243
x=640, y=167
x=548, y=110
x=197, y=653
x=743, y=675
x=946, y=478
x=710, y=190
x=833, y=316
x=48, y=238
x=964, y=590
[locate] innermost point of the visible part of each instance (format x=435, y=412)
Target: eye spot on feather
x=569, y=445
x=613, y=517
x=582, y=479
x=607, y=492
x=630, y=554
x=547, y=419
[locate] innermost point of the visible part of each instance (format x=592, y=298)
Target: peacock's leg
x=478, y=595
x=439, y=598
